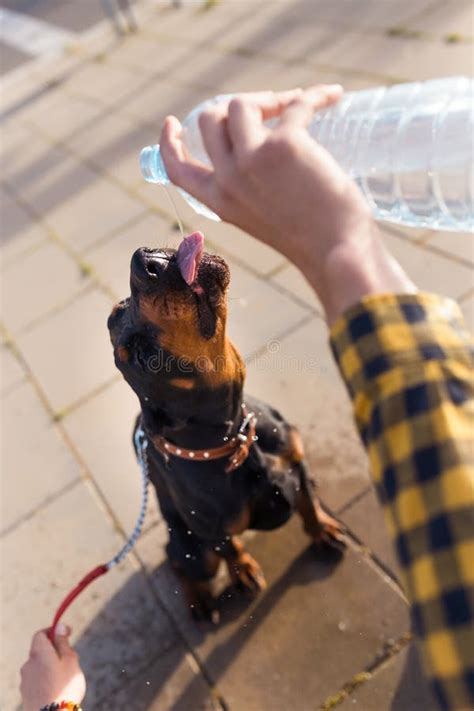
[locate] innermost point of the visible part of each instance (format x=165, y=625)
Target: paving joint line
x=354, y=500
x=5, y=532
x=373, y=560
x=86, y=474
x=366, y=674
x=383, y=569
x=55, y=309
x=169, y=613
x=109, y=236
x=59, y=415
x=263, y=350
x=54, y=238
x=285, y=61
x=433, y=249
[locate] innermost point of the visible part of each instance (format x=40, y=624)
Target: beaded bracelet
x=56, y=706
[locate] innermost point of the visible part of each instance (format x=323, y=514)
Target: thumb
x=61, y=641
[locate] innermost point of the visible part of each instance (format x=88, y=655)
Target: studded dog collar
x=236, y=449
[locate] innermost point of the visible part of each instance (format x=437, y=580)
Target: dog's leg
x=319, y=525
x=245, y=573
x=198, y=593
x=192, y=559
x=322, y=528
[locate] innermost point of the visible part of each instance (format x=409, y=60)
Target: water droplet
x=255, y=438
x=148, y=683
x=189, y=533
x=193, y=512
x=176, y=592
x=217, y=548
x=169, y=529
x=188, y=555
x=225, y=438
x=275, y=429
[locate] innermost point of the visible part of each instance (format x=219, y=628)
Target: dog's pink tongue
x=189, y=255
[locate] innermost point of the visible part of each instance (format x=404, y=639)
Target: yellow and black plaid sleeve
x=407, y=362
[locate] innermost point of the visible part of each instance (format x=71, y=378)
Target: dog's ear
x=135, y=346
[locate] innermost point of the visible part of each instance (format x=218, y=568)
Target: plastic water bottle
x=409, y=147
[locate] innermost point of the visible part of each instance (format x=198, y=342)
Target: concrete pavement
x=74, y=207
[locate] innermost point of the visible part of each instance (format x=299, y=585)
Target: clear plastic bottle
x=409, y=147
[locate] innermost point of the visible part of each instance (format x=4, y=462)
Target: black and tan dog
x=221, y=461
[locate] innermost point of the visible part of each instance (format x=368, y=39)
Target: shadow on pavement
x=133, y=654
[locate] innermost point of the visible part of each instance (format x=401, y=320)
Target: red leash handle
x=86, y=580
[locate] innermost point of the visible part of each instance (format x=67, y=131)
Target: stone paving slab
x=113, y=143
x=25, y=170
x=101, y=429
x=18, y=232
x=269, y=653
x=366, y=520
x=239, y=246
x=28, y=289
x=291, y=279
x=73, y=536
x=81, y=206
x=104, y=83
x=157, y=199
x=452, y=243
x=11, y=372
x=160, y=688
x=193, y=23
x=59, y=115
x=143, y=53
x=298, y=376
x=161, y=97
x=111, y=259
x=399, y=685
x=399, y=57
x=257, y=313
x=429, y=270
x=70, y=353
x=443, y=19
x=361, y=14
x=36, y=463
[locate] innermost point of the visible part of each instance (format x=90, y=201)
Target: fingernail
x=61, y=629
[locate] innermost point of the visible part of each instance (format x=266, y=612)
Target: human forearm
x=354, y=268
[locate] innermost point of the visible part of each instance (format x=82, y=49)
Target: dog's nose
x=146, y=266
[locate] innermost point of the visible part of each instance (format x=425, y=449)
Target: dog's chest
x=211, y=501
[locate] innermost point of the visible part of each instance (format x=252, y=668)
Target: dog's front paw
x=202, y=605
x=246, y=574
x=331, y=533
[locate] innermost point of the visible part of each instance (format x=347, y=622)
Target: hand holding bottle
x=279, y=185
